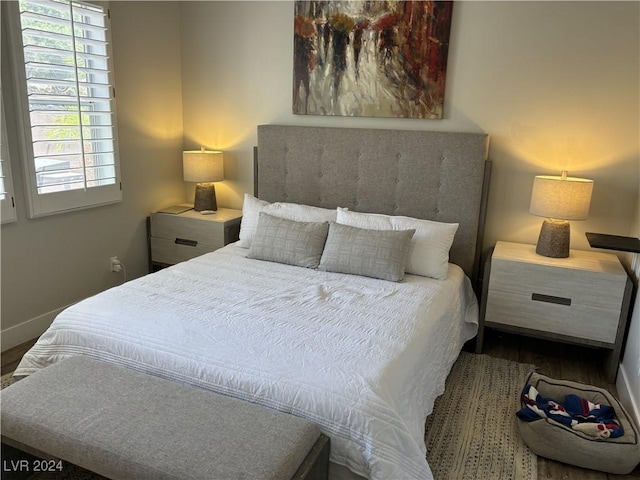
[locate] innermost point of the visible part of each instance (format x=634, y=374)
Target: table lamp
x=559, y=199
x=204, y=167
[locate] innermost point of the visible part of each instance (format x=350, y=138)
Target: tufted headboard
x=439, y=176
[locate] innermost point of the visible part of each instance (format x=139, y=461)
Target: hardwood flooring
x=10, y=358
x=553, y=359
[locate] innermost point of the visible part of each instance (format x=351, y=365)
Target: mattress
x=363, y=358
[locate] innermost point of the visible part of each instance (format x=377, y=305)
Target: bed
x=364, y=358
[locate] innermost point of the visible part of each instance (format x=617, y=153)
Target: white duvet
x=363, y=358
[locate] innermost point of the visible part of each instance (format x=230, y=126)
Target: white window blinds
x=71, y=134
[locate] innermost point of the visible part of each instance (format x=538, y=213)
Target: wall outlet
x=114, y=264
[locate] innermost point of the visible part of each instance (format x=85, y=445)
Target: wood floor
x=552, y=359
x=11, y=357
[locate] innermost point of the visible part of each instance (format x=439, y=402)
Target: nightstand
x=176, y=238
x=583, y=299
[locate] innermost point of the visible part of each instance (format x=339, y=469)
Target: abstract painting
x=371, y=58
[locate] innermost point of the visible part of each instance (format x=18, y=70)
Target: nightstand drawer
x=575, y=320
x=170, y=252
x=578, y=287
x=187, y=231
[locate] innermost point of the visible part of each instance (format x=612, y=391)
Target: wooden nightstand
x=176, y=238
x=583, y=299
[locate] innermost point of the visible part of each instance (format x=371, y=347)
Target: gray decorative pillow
x=372, y=253
x=287, y=241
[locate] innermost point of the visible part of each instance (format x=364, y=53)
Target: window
x=7, y=203
x=68, y=106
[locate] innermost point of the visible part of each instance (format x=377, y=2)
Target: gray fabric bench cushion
x=126, y=424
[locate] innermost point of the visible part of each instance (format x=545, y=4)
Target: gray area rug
x=472, y=433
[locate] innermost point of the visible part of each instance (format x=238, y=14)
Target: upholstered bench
x=550, y=439
x=124, y=424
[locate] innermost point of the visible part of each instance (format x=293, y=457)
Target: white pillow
x=301, y=213
x=252, y=207
x=429, y=249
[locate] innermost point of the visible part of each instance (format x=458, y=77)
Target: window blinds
x=69, y=94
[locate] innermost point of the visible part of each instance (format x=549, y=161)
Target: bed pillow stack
x=370, y=253
x=252, y=207
x=287, y=241
x=430, y=245
x=373, y=245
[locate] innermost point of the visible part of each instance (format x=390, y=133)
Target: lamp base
x=554, y=239
x=205, y=198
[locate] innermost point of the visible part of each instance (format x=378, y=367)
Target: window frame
x=44, y=204
x=7, y=204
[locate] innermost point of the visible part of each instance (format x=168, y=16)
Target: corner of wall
x=628, y=382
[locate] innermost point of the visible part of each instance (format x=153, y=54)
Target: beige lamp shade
x=203, y=166
x=561, y=197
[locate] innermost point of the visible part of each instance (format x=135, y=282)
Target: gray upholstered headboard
x=437, y=176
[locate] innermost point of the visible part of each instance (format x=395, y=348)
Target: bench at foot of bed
x=124, y=424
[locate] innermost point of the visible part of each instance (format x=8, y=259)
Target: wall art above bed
x=371, y=58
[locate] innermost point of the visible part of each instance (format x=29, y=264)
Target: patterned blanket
x=594, y=419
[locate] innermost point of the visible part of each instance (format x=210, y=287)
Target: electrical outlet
x=114, y=264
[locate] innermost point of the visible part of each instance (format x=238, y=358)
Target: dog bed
x=550, y=439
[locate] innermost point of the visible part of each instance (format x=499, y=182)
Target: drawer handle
x=538, y=297
x=188, y=243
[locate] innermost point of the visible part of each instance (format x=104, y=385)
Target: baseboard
x=626, y=397
x=18, y=334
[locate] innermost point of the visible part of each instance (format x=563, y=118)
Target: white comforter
x=363, y=358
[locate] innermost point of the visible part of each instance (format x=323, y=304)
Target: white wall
x=50, y=262
x=555, y=84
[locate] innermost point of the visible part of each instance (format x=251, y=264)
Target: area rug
x=472, y=433
x=6, y=380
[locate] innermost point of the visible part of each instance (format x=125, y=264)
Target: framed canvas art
x=371, y=58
